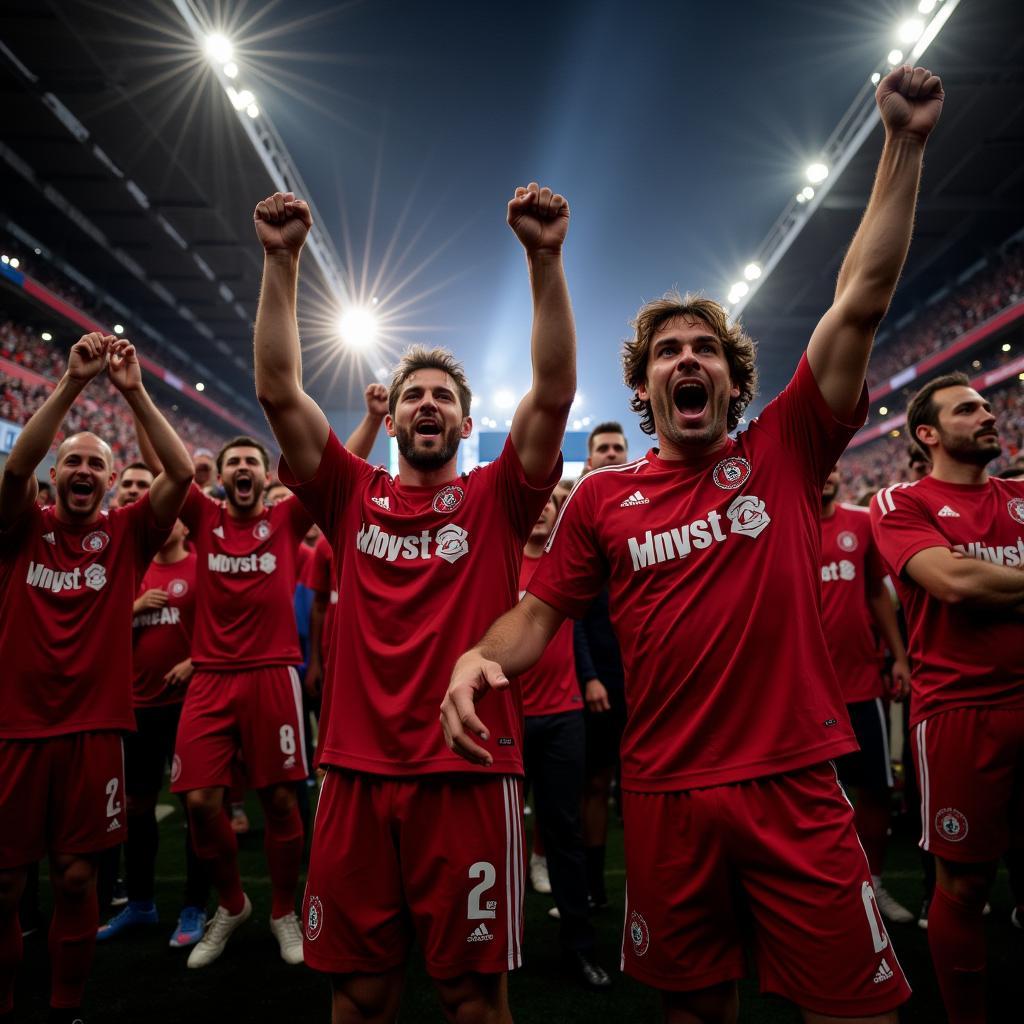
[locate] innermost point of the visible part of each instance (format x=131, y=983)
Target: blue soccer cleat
x=191, y=925
x=132, y=916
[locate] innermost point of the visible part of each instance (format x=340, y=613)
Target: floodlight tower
x=266, y=141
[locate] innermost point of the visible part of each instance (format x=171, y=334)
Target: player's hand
x=180, y=674
x=155, y=598
x=472, y=678
x=88, y=356
x=596, y=696
x=376, y=396
x=539, y=218
x=899, y=679
x=123, y=367
x=282, y=223
x=910, y=101
x=314, y=679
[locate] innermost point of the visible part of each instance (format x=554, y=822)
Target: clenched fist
x=540, y=219
x=910, y=101
x=282, y=223
x=376, y=396
x=88, y=356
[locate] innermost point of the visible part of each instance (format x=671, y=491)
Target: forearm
x=165, y=445
x=361, y=440
x=516, y=640
x=876, y=255
x=978, y=584
x=884, y=615
x=276, y=345
x=553, y=341
x=37, y=436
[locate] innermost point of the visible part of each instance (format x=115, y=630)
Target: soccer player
x=133, y=482
x=855, y=602
x=245, y=696
x=553, y=755
x=425, y=561
x=710, y=546
x=954, y=541
x=599, y=665
x=68, y=576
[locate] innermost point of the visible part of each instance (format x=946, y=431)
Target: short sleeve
x=318, y=569
x=800, y=418
x=901, y=527
x=522, y=501
x=148, y=537
x=573, y=569
x=328, y=491
x=192, y=510
x=297, y=516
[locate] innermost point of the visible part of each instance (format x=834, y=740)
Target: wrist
x=282, y=258
x=544, y=257
x=904, y=138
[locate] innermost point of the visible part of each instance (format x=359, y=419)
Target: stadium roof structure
x=126, y=163
x=971, y=200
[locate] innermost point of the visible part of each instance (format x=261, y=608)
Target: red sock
x=283, y=844
x=10, y=959
x=956, y=935
x=216, y=846
x=72, y=942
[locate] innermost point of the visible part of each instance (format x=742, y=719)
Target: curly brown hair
x=419, y=357
x=740, y=350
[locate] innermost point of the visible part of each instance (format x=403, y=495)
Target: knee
x=204, y=804
x=970, y=889
x=357, y=998
x=74, y=879
x=474, y=999
x=279, y=801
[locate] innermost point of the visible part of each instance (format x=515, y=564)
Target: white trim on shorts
x=924, y=784
x=300, y=737
x=513, y=870
x=885, y=741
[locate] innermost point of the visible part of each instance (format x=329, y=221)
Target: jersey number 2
x=113, y=804
x=483, y=870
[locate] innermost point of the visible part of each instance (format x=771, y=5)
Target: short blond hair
x=419, y=357
x=740, y=350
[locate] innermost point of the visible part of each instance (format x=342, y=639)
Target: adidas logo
x=49, y=538
x=114, y=825
x=636, y=498
x=289, y=762
x=947, y=513
x=884, y=972
x=218, y=531
x=481, y=934
x=383, y=503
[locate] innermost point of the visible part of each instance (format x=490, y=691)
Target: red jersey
x=714, y=582
x=320, y=578
x=162, y=637
x=245, y=612
x=851, y=573
x=303, y=556
x=550, y=687
x=423, y=572
x=66, y=594
x=960, y=657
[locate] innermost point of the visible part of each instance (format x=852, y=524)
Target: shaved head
x=89, y=438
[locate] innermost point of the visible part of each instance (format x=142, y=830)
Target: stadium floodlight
x=46, y=336
x=231, y=69
x=894, y=433
x=200, y=386
x=737, y=291
x=5, y=258
x=816, y=173
x=910, y=31
x=219, y=48
x=807, y=192
x=1006, y=346
x=927, y=6
x=15, y=262
x=752, y=271
x=504, y=399
x=801, y=198
x=252, y=110
x=883, y=410
x=895, y=56
x=876, y=78
x=240, y=100
x=358, y=328
x=119, y=328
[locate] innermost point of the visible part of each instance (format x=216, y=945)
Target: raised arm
x=360, y=441
x=540, y=221
x=167, y=494
x=910, y=101
x=513, y=644
x=18, y=486
x=301, y=428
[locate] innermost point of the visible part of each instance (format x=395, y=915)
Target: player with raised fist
x=425, y=561
x=710, y=546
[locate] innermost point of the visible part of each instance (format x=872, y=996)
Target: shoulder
x=609, y=480
x=904, y=496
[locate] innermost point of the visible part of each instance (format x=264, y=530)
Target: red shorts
x=970, y=770
x=436, y=857
x=781, y=850
x=257, y=712
x=64, y=794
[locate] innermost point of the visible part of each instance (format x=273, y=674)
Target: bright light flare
x=358, y=328
x=816, y=173
x=119, y=328
x=895, y=56
x=253, y=111
x=876, y=78
x=738, y=291
x=231, y=69
x=46, y=336
x=219, y=48
x=200, y=386
x=504, y=399
x=807, y=192
x=910, y=31
x=927, y=6
x=752, y=271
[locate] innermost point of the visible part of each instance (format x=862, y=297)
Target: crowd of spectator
x=993, y=288
x=100, y=409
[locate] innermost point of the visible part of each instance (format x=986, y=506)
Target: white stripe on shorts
x=300, y=735
x=885, y=741
x=923, y=783
x=513, y=872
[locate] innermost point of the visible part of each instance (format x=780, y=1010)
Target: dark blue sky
x=676, y=131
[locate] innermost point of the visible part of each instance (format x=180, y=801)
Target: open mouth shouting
x=244, y=486
x=690, y=398
x=82, y=489
x=427, y=426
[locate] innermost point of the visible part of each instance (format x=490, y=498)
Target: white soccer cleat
x=539, y=874
x=219, y=930
x=891, y=909
x=289, y=937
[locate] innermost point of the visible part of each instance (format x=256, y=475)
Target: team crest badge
x=261, y=531
x=847, y=540
x=1015, y=506
x=96, y=541
x=448, y=499
x=748, y=515
x=639, y=933
x=314, y=918
x=731, y=473
x=177, y=588
x=951, y=824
